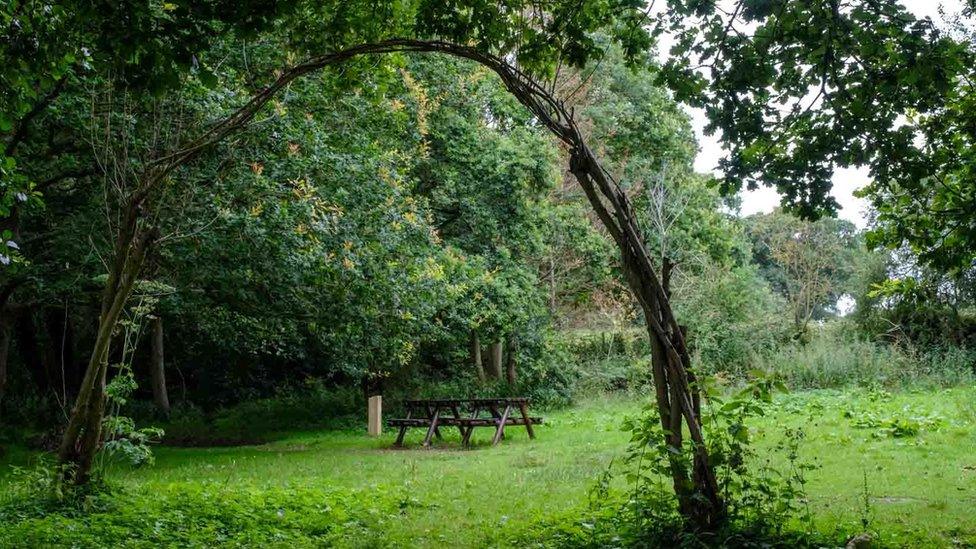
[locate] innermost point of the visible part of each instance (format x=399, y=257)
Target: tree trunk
x=510, y=361
x=82, y=437
x=475, y=351
x=495, y=359
x=677, y=397
x=6, y=334
x=157, y=367
x=30, y=352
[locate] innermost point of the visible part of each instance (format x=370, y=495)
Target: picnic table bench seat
x=436, y=413
x=465, y=421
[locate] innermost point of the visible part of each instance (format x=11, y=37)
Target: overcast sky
x=845, y=181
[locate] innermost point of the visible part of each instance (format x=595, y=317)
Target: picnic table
x=465, y=414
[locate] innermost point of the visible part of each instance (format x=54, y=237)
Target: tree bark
x=495, y=359
x=676, y=396
x=510, y=376
x=6, y=334
x=475, y=351
x=82, y=437
x=30, y=352
x=157, y=367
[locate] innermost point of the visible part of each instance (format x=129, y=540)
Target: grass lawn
x=917, y=488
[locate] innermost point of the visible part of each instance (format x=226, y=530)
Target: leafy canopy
x=797, y=88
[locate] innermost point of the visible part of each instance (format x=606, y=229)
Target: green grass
x=921, y=489
x=914, y=490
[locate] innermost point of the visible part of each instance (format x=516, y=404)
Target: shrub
x=311, y=406
x=732, y=316
x=765, y=505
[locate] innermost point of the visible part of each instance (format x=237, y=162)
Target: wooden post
x=525, y=415
x=500, y=433
x=375, y=420
x=433, y=426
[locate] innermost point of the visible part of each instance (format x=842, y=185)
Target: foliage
x=904, y=301
x=732, y=316
x=198, y=516
x=763, y=503
x=755, y=68
x=647, y=139
x=374, y=219
x=542, y=489
x=838, y=356
x=905, y=426
x=763, y=500
x=927, y=206
x=310, y=406
x=808, y=263
x=799, y=88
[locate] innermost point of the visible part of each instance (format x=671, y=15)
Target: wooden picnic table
x=465, y=414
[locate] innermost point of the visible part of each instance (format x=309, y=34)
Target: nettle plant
x=123, y=441
x=762, y=498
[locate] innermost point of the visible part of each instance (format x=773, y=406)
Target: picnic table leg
x=437, y=431
x=525, y=416
x=495, y=414
x=433, y=427
x=466, y=432
x=457, y=415
x=500, y=432
x=403, y=431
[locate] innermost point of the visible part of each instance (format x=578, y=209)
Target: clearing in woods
x=907, y=466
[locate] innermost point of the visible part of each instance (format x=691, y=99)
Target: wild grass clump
x=837, y=357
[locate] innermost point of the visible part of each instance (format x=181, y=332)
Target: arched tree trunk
x=701, y=503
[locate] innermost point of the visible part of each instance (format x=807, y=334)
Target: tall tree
x=810, y=263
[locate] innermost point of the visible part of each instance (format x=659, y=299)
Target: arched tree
x=678, y=403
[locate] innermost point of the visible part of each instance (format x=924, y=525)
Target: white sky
x=846, y=181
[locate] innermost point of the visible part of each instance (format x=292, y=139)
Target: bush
x=607, y=361
x=766, y=506
x=311, y=406
x=732, y=316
